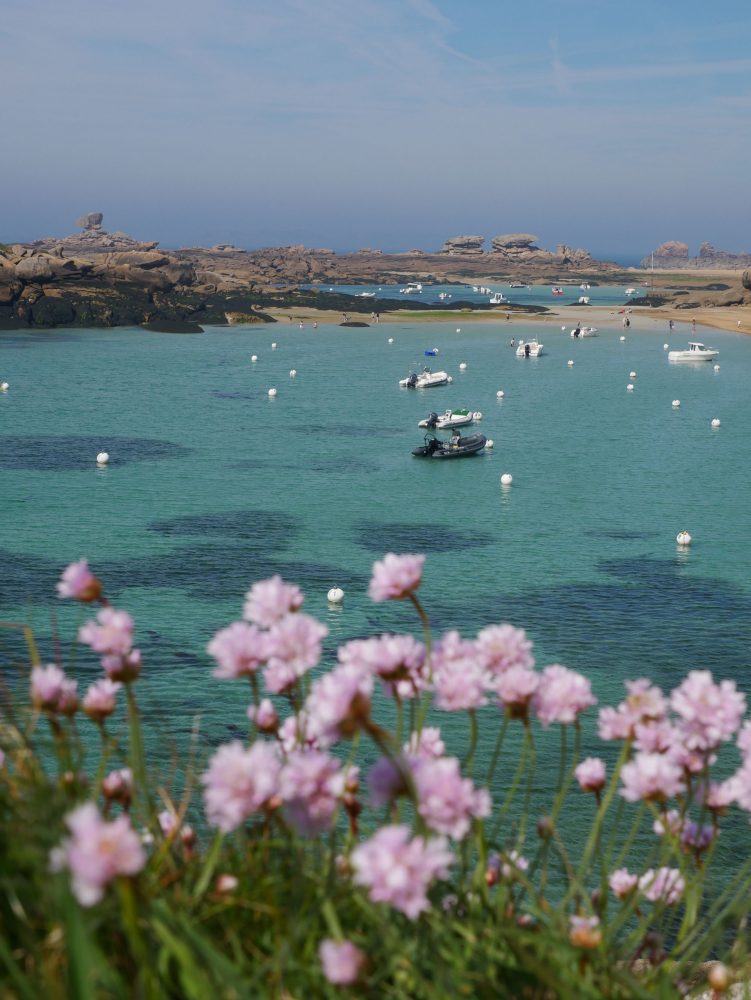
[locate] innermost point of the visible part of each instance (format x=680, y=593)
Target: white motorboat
x=630, y=291
x=497, y=299
x=451, y=418
x=411, y=288
x=365, y=295
x=444, y=295
x=518, y=284
x=426, y=379
x=584, y=286
x=583, y=300
x=530, y=349
x=584, y=331
x=695, y=352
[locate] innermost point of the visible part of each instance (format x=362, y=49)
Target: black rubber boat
x=457, y=447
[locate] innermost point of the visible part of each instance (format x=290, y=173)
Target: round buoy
x=716, y=422
x=489, y=443
x=254, y=358
x=676, y=403
x=391, y=340
x=665, y=347
x=335, y=595
x=500, y=394
x=272, y=392
x=632, y=374
x=458, y=329
x=450, y=379
x=621, y=338
x=273, y=346
x=477, y=415
x=462, y=366
x=563, y=328
x=716, y=368
x=630, y=387
x=507, y=479
x=570, y=363
x=102, y=458
x=435, y=350
x=683, y=538
x=292, y=372
x=4, y=386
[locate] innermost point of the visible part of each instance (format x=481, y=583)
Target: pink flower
x=395, y=577
x=744, y=739
x=239, y=782
x=445, y=800
x=67, y=703
x=226, y=883
x=118, y=786
x=399, y=660
x=123, y=668
x=739, y=785
x=167, y=822
x=562, y=695
x=240, y=649
x=100, y=699
x=294, y=646
x=458, y=676
x=515, y=687
x=386, y=781
x=654, y=737
x=342, y=961
x=651, y=776
x=509, y=866
x=720, y=796
x=398, y=870
x=665, y=885
x=338, y=704
x=584, y=932
x=111, y=634
x=500, y=647
x=591, y=774
x=268, y=601
x=645, y=704
x=612, y=724
x=264, y=716
x=97, y=852
x=79, y=583
x=426, y=743
x=47, y=685
x=710, y=713
x=311, y=785
x=623, y=883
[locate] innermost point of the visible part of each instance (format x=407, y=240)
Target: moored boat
x=584, y=331
x=556, y=290
x=529, y=349
x=449, y=419
x=497, y=299
x=457, y=447
x=425, y=380
x=695, y=352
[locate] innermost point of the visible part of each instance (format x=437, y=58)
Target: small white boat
x=365, y=295
x=630, y=291
x=518, y=284
x=425, y=380
x=556, y=290
x=411, y=288
x=451, y=418
x=444, y=295
x=695, y=352
x=584, y=331
x=584, y=286
x=530, y=349
x=497, y=299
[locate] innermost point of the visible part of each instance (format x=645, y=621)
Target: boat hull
x=692, y=355
x=444, y=450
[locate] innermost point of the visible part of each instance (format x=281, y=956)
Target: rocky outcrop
x=463, y=246
x=746, y=280
x=674, y=255
x=91, y=220
x=513, y=242
x=571, y=257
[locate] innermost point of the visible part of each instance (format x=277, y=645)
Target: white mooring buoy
x=273, y=346
x=570, y=363
x=676, y=403
x=500, y=394
x=254, y=358
x=630, y=387
x=292, y=372
x=507, y=479
x=391, y=340
x=463, y=366
x=102, y=458
x=477, y=415
x=716, y=368
x=632, y=374
x=489, y=443
x=335, y=595
x=621, y=339
x=272, y=392
x=716, y=422
x=683, y=538
x=665, y=347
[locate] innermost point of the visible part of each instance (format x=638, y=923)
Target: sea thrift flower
x=118, y=786
x=516, y=687
x=311, y=785
x=398, y=870
x=509, y=866
x=47, y=685
x=644, y=704
x=623, y=883
x=123, y=668
x=97, y=852
x=167, y=822
x=239, y=650
x=342, y=961
x=651, y=776
x=500, y=647
x=293, y=734
x=654, y=737
x=458, y=676
x=226, y=883
x=562, y=695
x=111, y=634
x=612, y=724
x=399, y=661
x=665, y=885
x=591, y=774
x=294, y=647
x=445, y=800
x=265, y=716
x=584, y=932
x=268, y=601
x=67, y=703
x=79, y=583
x=395, y=577
x=239, y=782
x=386, y=781
x=100, y=699
x=338, y=704
x=743, y=741
x=426, y=743
x=719, y=797
x=710, y=713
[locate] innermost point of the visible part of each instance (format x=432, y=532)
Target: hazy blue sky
x=384, y=123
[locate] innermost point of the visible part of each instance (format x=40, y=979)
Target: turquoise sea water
x=213, y=485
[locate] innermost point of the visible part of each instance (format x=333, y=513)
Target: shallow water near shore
x=212, y=485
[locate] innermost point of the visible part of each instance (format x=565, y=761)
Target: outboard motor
x=412, y=381
x=434, y=446
x=432, y=420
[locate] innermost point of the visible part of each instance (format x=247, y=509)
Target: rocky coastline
x=94, y=278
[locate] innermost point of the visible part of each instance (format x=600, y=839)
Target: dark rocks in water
x=52, y=311
x=173, y=326
x=353, y=322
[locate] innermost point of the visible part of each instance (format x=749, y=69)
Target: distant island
x=94, y=278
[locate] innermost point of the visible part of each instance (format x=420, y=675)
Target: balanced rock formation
x=572, y=257
x=513, y=242
x=674, y=255
x=91, y=220
x=462, y=246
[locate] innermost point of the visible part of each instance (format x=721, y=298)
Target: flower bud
x=225, y=883
x=719, y=977
x=545, y=828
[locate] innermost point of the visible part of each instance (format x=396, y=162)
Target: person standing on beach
x=693, y=325
x=671, y=324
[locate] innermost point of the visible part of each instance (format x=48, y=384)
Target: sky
x=379, y=123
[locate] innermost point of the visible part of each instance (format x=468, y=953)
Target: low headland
x=94, y=278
